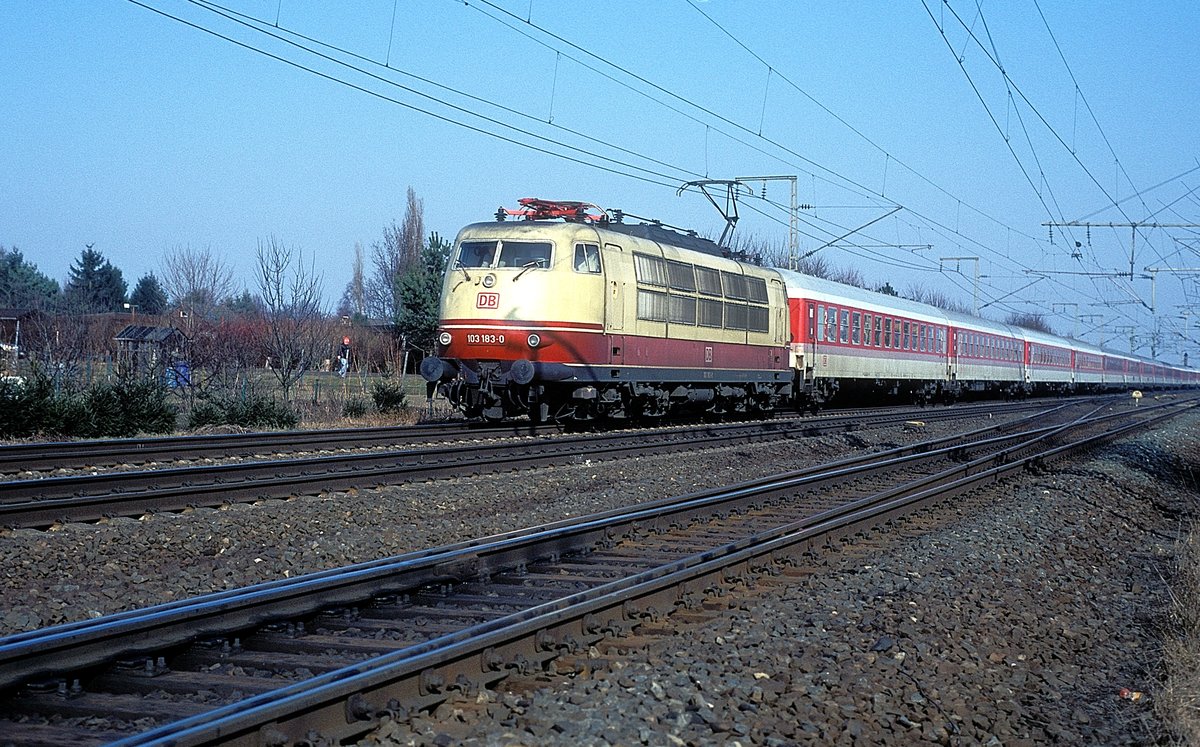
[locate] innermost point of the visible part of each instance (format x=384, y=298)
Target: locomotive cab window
x=477, y=253
x=587, y=258
x=525, y=254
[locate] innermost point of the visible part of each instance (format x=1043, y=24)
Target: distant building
x=144, y=350
x=11, y=334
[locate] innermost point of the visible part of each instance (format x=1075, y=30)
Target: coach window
x=855, y=326
x=844, y=326
x=878, y=330
x=587, y=258
x=820, y=324
x=905, y=338
x=868, y=327
x=831, y=330
x=887, y=332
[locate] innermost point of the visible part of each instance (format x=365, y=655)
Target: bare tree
x=354, y=297
x=922, y=294
x=391, y=257
x=196, y=279
x=1035, y=322
x=296, y=328
x=412, y=233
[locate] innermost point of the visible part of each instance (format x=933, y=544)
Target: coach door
x=952, y=372
x=810, y=343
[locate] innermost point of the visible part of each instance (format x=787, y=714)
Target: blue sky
x=138, y=133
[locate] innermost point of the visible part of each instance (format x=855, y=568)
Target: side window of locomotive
x=683, y=310
x=477, y=253
x=587, y=258
x=709, y=312
x=756, y=290
x=733, y=285
x=681, y=276
x=708, y=281
x=524, y=254
x=650, y=270
x=735, y=316
x=758, y=319
x=652, y=306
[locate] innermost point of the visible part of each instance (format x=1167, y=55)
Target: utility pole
x=1133, y=231
x=793, y=214
x=1075, y=328
x=957, y=269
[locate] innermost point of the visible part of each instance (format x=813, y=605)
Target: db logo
x=488, y=301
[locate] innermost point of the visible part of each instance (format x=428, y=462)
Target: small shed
x=11, y=339
x=145, y=350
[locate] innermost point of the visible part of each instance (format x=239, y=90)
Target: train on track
x=573, y=314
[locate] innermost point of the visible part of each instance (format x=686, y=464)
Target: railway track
x=44, y=502
x=325, y=656
x=49, y=457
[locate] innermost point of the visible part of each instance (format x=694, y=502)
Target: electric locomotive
x=569, y=314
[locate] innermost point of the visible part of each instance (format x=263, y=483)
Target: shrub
x=129, y=407
x=388, y=396
x=354, y=407
x=123, y=408
x=249, y=409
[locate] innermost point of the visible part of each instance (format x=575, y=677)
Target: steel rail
x=88, y=642
x=47, y=501
x=83, y=454
x=55, y=455
x=348, y=701
x=32, y=654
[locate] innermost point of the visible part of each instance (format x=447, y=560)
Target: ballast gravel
x=1014, y=619
x=1017, y=619
x=79, y=571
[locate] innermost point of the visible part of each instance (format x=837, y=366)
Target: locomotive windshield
x=512, y=254
x=524, y=254
x=477, y=253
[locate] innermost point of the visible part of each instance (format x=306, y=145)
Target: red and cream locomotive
x=571, y=315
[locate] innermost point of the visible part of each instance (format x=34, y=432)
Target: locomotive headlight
x=534, y=340
x=489, y=280
x=444, y=338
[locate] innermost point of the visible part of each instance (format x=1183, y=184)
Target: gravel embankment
x=1015, y=621
x=86, y=570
